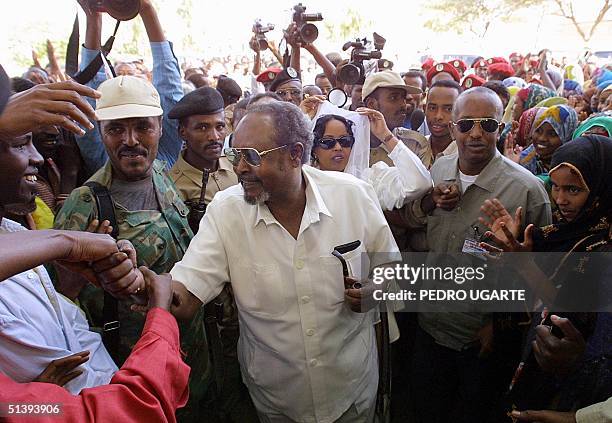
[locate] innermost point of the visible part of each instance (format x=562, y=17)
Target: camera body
x=308, y=31
x=122, y=10
x=260, y=33
x=354, y=71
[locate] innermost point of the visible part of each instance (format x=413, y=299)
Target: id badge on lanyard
x=472, y=245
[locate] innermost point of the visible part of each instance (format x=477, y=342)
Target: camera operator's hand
x=292, y=35
x=254, y=44
x=58, y=103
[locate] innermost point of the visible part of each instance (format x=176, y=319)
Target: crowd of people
x=180, y=245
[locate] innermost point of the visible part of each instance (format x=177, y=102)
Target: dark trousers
x=449, y=385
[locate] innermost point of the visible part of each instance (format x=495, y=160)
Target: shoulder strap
x=110, y=310
x=104, y=202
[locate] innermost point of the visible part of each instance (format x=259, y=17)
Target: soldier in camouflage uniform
x=202, y=127
x=148, y=211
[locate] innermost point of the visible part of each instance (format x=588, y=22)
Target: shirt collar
x=487, y=179
x=315, y=205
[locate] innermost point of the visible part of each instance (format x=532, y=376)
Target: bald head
x=482, y=95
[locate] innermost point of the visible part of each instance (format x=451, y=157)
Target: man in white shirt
x=37, y=325
x=305, y=355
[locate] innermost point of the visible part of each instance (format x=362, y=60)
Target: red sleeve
x=149, y=387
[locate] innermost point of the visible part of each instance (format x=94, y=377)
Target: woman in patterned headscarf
x=529, y=97
x=552, y=127
x=523, y=134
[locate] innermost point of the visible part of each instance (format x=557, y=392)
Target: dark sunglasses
x=487, y=124
x=327, y=143
x=251, y=156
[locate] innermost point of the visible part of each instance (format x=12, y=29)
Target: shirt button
x=453, y=236
x=314, y=362
x=305, y=300
x=310, y=332
x=30, y=275
x=299, y=264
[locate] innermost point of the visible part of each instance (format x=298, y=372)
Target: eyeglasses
x=487, y=124
x=292, y=93
x=327, y=143
x=251, y=156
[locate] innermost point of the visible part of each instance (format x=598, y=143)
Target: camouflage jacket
x=160, y=239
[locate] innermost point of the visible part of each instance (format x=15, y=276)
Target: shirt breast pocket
x=261, y=290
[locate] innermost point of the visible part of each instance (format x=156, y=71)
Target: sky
x=220, y=27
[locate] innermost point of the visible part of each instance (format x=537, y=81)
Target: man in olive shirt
x=202, y=126
x=448, y=371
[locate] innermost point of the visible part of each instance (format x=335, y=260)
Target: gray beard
x=260, y=199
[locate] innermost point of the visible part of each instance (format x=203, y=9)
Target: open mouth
x=338, y=158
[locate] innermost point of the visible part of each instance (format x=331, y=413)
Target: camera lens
x=309, y=33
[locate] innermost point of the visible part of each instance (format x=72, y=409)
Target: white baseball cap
x=127, y=97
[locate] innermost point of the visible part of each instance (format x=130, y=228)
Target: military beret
x=228, y=87
x=203, y=101
x=459, y=64
x=517, y=55
x=443, y=67
x=286, y=75
x=496, y=59
x=269, y=74
x=5, y=89
x=472, y=81
x=427, y=64
x=504, y=69
x=482, y=63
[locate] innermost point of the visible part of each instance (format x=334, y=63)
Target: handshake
x=112, y=265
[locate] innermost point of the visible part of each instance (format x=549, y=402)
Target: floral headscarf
x=533, y=94
x=562, y=118
x=526, y=124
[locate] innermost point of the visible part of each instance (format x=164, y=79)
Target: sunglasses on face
x=292, y=93
x=250, y=155
x=487, y=124
x=327, y=143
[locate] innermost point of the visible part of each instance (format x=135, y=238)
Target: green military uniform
x=160, y=239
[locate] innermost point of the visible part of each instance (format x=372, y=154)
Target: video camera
x=260, y=33
x=122, y=10
x=308, y=32
x=354, y=71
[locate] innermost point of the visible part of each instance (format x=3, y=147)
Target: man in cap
x=442, y=71
x=134, y=190
x=515, y=61
x=288, y=85
x=481, y=68
x=166, y=78
x=229, y=89
x=472, y=81
x=266, y=77
x=500, y=71
x=459, y=65
x=202, y=127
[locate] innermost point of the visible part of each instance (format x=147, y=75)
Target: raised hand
x=58, y=103
x=556, y=355
x=496, y=214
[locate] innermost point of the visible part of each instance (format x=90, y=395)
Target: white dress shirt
x=303, y=352
x=38, y=325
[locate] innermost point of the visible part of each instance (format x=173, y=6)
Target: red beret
x=504, y=69
x=269, y=74
x=443, y=67
x=472, y=81
x=459, y=64
x=497, y=60
x=482, y=63
x=427, y=64
x=515, y=54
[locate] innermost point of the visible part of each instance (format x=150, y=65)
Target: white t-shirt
x=466, y=181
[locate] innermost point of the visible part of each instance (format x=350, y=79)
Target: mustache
x=214, y=144
x=132, y=150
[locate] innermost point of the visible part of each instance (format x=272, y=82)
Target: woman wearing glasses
x=334, y=142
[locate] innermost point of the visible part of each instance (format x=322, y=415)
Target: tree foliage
x=352, y=27
x=566, y=10
x=475, y=16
